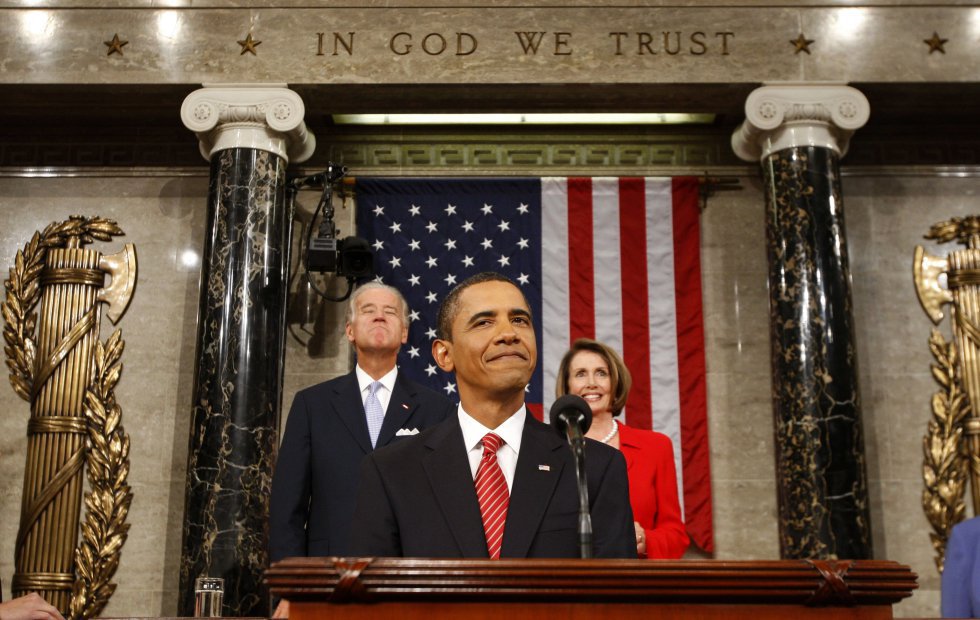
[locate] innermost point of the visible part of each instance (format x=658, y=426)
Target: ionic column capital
x=268, y=117
x=780, y=116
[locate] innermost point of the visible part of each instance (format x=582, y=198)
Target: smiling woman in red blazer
x=597, y=373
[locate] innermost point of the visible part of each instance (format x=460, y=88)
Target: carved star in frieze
x=115, y=45
x=936, y=43
x=249, y=45
x=801, y=43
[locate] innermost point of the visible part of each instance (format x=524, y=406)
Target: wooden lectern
x=418, y=588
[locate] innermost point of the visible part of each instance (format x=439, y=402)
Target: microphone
x=571, y=416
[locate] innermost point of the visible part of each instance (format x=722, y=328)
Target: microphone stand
x=577, y=442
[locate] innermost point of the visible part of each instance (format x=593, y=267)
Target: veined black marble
x=238, y=382
x=820, y=465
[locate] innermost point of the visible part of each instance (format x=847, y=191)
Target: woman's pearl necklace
x=612, y=433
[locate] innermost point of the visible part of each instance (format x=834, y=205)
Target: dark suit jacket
x=961, y=572
x=417, y=499
x=315, y=482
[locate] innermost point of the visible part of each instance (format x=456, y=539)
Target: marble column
x=799, y=132
x=249, y=133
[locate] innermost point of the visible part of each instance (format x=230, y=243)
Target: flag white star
x=413, y=352
x=450, y=210
x=378, y=244
x=503, y=225
x=413, y=316
x=450, y=279
x=487, y=244
x=450, y=388
x=431, y=262
x=431, y=297
x=414, y=280
x=395, y=262
x=524, y=278
x=522, y=243
x=450, y=244
x=414, y=210
x=378, y=278
x=468, y=226
x=414, y=245
x=467, y=261
x=430, y=370
x=379, y=210
x=430, y=333
x=432, y=227
x=395, y=227
x=522, y=209
x=504, y=261
x=487, y=209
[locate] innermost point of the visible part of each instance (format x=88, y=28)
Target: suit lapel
x=448, y=470
x=539, y=468
x=350, y=409
x=401, y=407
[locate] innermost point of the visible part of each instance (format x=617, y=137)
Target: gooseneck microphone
x=571, y=416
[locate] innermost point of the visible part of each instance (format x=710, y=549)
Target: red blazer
x=653, y=491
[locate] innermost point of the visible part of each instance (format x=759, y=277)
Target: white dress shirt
x=510, y=431
x=364, y=382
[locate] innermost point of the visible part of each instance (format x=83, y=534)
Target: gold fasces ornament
x=951, y=446
x=59, y=365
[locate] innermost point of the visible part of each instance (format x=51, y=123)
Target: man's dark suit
x=314, y=487
x=417, y=499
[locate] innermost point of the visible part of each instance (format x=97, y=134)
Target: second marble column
x=798, y=133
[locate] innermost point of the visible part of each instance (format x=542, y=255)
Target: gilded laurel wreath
x=944, y=468
x=965, y=230
x=107, y=502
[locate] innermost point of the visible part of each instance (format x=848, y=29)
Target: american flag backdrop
x=615, y=259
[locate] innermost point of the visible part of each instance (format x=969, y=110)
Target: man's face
x=377, y=324
x=493, y=350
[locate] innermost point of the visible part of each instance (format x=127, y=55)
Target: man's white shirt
x=510, y=431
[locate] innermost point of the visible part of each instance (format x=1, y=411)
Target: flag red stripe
x=636, y=328
x=690, y=356
x=581, y=279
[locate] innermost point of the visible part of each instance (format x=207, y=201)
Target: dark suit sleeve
x=613, y=535
x=290, y=501
x=375, y=529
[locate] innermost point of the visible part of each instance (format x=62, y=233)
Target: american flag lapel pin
x=544, y=467
x=405, y=406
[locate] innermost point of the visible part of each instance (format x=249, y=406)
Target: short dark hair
x=449, y=307
x=619, y=374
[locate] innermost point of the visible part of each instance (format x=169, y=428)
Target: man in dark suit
x=427, y=496
x=332, y=425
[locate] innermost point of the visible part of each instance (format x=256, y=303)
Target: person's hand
x=282, y=609
x=29, y=607
x=641, y=540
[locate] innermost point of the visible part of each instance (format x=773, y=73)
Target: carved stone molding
x=781, y=116
x=267, y=117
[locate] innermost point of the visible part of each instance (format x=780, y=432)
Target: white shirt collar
x=511, y=430
x=364, y=380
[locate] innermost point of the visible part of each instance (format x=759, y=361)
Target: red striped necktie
x=491, y=491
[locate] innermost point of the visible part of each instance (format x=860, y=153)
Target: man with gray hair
x=333, y=425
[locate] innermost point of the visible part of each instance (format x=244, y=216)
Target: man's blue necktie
x=375, y=413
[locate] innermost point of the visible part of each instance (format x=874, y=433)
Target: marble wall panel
x=164, y=217
x=866, y=44
x=561, y=43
